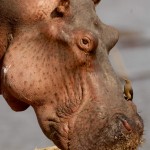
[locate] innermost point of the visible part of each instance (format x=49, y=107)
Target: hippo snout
x=122, y=132
x=110, y=132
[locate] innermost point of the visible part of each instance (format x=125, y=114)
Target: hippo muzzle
x=57, y=62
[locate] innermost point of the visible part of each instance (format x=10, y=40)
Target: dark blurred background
x=130, y=57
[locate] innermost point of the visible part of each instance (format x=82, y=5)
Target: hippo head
x=57, y=62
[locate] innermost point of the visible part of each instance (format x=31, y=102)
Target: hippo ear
x=96, y=1
x=61, y=9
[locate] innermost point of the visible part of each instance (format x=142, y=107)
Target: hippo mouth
x=121, y=133
x=117, y=132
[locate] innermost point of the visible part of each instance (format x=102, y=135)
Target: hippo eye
x=87, y=43
x=84, y=42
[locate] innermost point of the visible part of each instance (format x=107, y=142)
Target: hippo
x=54, y=58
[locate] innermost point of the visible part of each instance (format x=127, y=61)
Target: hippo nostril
x=87, y=42
x=126, y=125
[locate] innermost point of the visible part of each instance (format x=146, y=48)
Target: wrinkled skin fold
x=54, y=57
